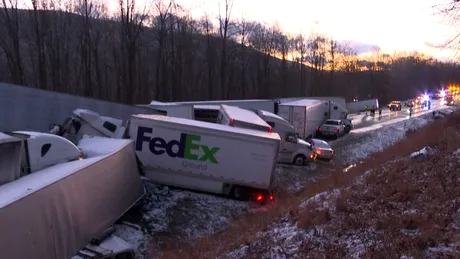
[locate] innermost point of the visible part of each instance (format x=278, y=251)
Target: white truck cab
x=91, y=123
x=292, y=149
x=42, y=150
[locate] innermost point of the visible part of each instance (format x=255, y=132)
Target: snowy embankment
x=360, y=144
x=406, y=208
x=178, y=215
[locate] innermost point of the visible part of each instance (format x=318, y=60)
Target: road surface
x=362, y=120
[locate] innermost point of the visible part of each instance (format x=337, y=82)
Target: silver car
x=322, y=149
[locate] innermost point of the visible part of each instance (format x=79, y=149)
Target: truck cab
x=292, y=148
x=42, y=150
x=86, y=122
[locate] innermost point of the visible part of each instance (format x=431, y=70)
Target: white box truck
x=307, y=115
x=206, y=157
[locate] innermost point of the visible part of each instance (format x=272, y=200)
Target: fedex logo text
x=186, y=147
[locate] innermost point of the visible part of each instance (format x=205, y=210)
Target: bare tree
x=57, y=43
x=131, y=25
x=283, y=46
x=162, y=25
x=10, y=40
x=332, y=53
x=40, y=22
x=301, y=52
x=208, y=30
x=224, y=33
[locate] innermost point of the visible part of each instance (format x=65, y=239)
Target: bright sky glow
x=394, y=25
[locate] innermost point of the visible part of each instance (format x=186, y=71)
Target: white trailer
x=336, y=99
x=356, y=107
x=206, y=157
x=305, y=115
x=241, y=118
x=54, y=212
x=291, y=151
x=263, y=104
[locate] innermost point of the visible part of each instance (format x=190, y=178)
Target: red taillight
x=232, y=120
x=335, y=130
x=259, y=197
x=318, y=151
x=270, y=129
x=319, y=128
x=271, y=198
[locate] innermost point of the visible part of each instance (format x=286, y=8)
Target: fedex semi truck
x=235, y=162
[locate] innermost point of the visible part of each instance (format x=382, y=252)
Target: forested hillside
x=162, y=53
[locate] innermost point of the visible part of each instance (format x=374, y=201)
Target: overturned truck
x=55, y=212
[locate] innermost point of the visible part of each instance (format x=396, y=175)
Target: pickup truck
x=334, y=128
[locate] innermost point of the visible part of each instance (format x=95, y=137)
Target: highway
x=362, y=120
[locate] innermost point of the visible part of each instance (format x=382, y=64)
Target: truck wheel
x=299, y=160
x=347, y=129
x=239, y=193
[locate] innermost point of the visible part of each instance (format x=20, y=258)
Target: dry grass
x=409, y=204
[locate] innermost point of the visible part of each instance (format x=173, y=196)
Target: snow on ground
x=134, y=236
x=167, y=213
x=173, y=214
x=292, y=179
x=422, y=152
x=291, y=238
x=359, y=145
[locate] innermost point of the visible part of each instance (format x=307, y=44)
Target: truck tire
x=299, y=160
x=347, y=129
x=239, y=193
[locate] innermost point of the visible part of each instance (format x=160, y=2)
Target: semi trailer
x=292, y=150
x=196, y=155
x=59, y=204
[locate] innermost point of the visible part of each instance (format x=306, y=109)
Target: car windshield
x=332, y=122
x=320, y=143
